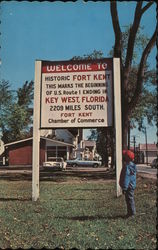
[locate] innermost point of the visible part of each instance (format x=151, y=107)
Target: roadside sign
x=76, y=94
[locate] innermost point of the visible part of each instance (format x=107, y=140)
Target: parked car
x=154, y=163
x=56, y=163
x=89, y=163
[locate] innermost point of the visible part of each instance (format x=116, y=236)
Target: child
x=128, y=181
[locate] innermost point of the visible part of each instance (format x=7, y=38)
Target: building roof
x=42, y=137
x=151, y=147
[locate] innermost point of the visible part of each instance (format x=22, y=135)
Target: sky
x=58, y=31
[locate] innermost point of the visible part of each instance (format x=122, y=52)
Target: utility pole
x=136, y=149
x=134, y=145
x=129, y=130
x=139, y=154
x=134, y=142
x=146, y=142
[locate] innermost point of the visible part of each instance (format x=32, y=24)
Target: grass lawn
x=76, y=214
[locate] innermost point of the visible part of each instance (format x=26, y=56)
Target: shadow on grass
x=91, y=189
x=74, y=199
x=92, y=218
x=82, y=174
x=15, y=199
x=60, y=176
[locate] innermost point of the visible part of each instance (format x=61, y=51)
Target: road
x=143, y=170
x=147, y=170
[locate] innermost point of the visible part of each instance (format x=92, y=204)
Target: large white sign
x=76, y=94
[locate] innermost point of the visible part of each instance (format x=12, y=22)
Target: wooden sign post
x=118, y=121
x=36, y=133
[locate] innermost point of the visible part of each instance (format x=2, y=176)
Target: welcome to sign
x=76, y=94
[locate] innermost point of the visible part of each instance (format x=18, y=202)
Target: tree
x=6, y=95
x=17, y=115
x=25, y=94
x=16, y=123
x=6, y=98
x=25, y=98
x=129, y=104
x=96, y=54
x=146, y=107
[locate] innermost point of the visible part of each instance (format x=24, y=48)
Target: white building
x=149, y=152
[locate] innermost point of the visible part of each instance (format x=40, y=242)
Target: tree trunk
x=125, y=135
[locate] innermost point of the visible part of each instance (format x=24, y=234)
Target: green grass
x=79, y=214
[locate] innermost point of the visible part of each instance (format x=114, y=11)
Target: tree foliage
x=6, y=95
x=145, y=107
x=96, y=54
x=104, y=138
x=132, y=46
x=25, y=94
x=16, y=112
x=127, y=59
x=6, y=100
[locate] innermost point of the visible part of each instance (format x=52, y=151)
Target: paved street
x=146, y=169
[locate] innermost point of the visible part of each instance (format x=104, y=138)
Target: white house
x=149, y=152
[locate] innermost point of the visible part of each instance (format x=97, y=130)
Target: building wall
x=21, y=154
x=64, y=135
x=151, y=155
x=42, y=151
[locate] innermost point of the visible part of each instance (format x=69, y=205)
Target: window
x=55, y=151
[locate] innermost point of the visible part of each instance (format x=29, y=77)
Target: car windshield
x=56, y=159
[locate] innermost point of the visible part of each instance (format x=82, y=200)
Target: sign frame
x=109, y=88
x=117, y=123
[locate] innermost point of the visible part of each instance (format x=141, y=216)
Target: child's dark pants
x=129, y=196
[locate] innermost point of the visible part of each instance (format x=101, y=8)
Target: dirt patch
x=70, y=175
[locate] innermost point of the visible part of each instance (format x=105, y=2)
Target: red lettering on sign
x=99, y=77
x=70, y=99
x=95, y=99
x=51, y=100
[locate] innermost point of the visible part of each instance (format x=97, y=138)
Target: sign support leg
x=36, y=133
x=118, y=122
